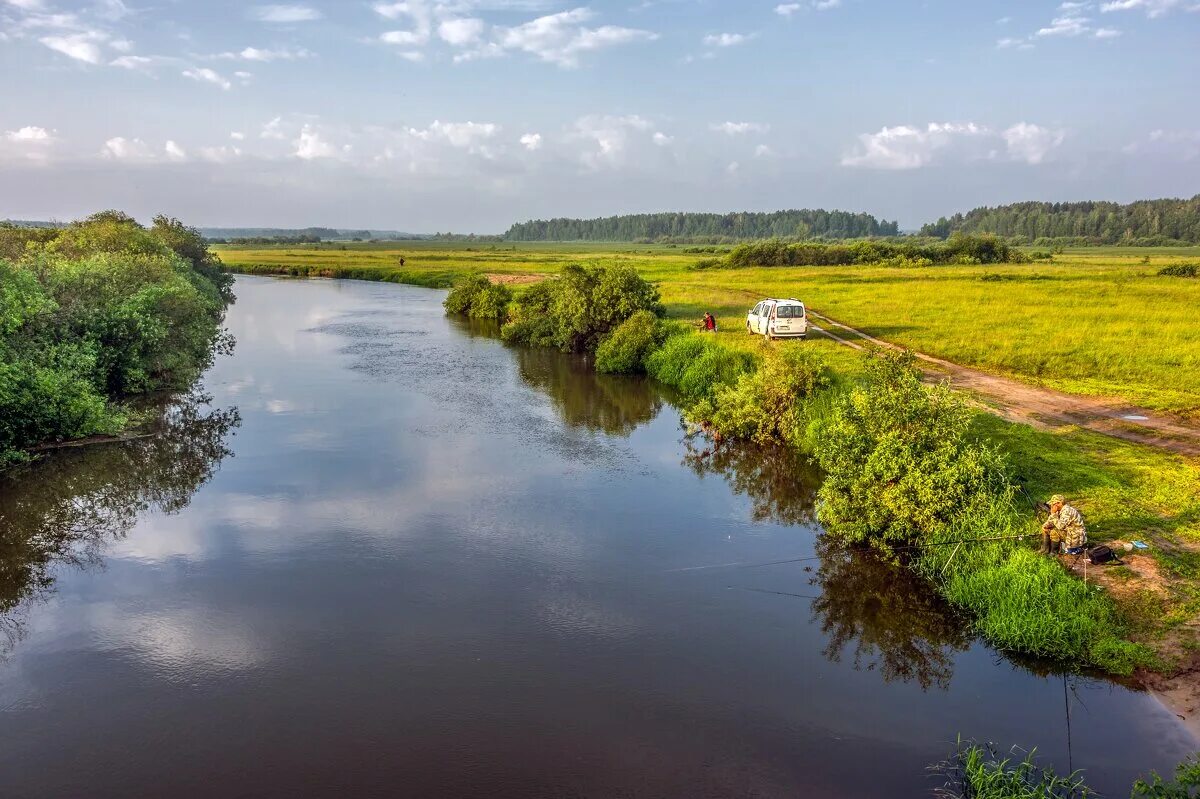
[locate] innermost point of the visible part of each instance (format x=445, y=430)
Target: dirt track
x=1042, y=407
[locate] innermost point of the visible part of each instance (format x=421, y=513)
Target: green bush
x=624, y=351
x=491, y=302
x=767, y=405
x=460, y=298
x=582, y=306
x=696, y=364
x=958, y=249
x=899, y=465
x=1180, y=270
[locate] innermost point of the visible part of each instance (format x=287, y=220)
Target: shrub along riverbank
x=906, y=474
x=94, y=313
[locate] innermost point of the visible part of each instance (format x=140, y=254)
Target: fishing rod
x=808, y=558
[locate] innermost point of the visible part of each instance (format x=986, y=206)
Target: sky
x=469, y=115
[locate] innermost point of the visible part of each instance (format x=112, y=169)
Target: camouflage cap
x=1058, y=499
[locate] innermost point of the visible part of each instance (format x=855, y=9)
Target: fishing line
x=809, y=558
x=765, y=591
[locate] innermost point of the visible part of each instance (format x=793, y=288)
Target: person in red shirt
x=710, y=323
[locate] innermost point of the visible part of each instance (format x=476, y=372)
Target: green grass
x=1097, y=321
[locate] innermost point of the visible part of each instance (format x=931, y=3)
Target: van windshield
x=790, y=312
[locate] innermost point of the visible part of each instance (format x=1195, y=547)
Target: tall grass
x=979, y=772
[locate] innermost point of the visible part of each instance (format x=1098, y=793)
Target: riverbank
x=1126, y=491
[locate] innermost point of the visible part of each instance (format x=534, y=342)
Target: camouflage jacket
x=1069, y=524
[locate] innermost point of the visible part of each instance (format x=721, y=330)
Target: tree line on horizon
x=792, y=224
x=1146, y=222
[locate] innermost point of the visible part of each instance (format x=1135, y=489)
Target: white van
x=778, y=319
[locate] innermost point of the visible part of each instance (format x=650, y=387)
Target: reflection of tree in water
x=612, y=404
x=67, y=506
x=781, y=485
x=893, y=618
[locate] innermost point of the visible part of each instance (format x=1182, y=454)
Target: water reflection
x=888, y=616
x=611, y=404
x=64, y=508
x=780, y=483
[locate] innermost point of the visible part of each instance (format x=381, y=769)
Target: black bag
x=1101, y=554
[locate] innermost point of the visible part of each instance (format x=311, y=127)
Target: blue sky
x=467, y=115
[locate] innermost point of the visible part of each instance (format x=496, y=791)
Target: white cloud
x=738, y=128
x=29, y=133
x=908, y=147
x=265, y=54
x=1153, y=8
x=606, y=138
x=531, y=141
x=1031, y=143
x=133, y=62
x=905, y=147
x=206, y=75
x=461, y=32
x=310, y=145
x=788, y=9
x=219, y=155
x=175, y=152
x=662, y=139
x=727, y=39
x=122, y=149
x=285, y=13
x=83, y=46
x=469, y=136
x=562, y=38
x=763, y=151
x=237, y=135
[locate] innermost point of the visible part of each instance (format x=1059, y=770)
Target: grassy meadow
x=1096, y=321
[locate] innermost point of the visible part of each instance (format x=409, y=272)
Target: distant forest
x=1147, y=222
x=804, y=224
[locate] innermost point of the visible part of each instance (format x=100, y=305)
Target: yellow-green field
x=1097, y=322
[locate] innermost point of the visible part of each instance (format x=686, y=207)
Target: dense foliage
x=575, y=311
x=958, y=250
x=627, y=347
x=1144, y=222
x=95, y=312
x=900, y=466
x=479, y=298
x=767, y=405
x=747, y=225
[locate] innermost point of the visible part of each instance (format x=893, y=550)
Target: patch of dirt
x=514, y=280
x=1043, y=407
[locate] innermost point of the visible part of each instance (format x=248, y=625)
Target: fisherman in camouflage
x=1064, y=526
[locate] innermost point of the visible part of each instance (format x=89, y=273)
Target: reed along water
x=387, y=555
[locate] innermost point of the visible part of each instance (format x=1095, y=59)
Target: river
x=391, y=556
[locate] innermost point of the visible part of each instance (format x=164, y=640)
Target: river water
x=392, y=557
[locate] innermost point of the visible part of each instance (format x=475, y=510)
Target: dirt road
x=1041, y=407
